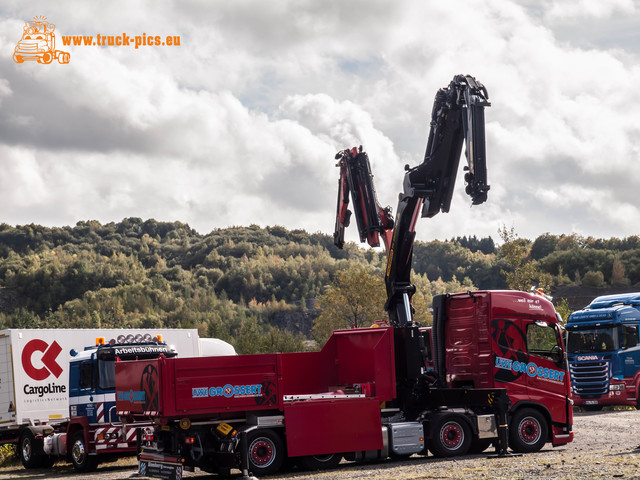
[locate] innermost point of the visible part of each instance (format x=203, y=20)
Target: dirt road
x=604, y=447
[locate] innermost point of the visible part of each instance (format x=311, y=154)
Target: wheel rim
x=78, y=452
x=27, y=450
x=452, y=435
x=529, y=430
x=262, y=452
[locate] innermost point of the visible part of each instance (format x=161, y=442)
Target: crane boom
x=457, y=117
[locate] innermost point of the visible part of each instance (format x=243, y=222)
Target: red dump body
x=227, y=387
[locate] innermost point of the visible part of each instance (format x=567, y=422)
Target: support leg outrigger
x=501, y=405
x=244, y=457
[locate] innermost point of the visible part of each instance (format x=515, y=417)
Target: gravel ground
x=604, y=447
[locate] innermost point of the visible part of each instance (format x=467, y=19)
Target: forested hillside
x=253, y=286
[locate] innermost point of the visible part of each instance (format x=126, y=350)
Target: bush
x=8, y=455
x=593, y=279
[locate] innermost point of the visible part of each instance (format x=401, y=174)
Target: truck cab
x=604, y=351
x=94, y=428
x=511, y=340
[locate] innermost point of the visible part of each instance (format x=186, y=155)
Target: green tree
x=563, y=309
x=355, y=300
x=521, y=272
x=543, y=245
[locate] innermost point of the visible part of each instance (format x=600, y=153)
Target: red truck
x=508, y=339
x=498, y=357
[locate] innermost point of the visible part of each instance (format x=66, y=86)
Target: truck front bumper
x=560, y=435
x=619, y=394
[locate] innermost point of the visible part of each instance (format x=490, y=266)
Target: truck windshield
x=593, y=340
x=107, y=374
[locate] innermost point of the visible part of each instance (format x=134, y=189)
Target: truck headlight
x=618, y=386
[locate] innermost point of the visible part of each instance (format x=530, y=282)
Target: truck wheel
x=31, y=452
x=266, y=452
x=17, y=58
x=47, y=58
x=527, y=431
x=450, y=436
x=63, y=57
x=82, y=461
x=320, y=462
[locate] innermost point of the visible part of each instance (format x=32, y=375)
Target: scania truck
x=604, y=352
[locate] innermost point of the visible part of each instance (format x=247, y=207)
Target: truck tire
x=46, y=58
x=82, y=461
x=30, y=449
x=450, y=436
x=320, y=462
x=527, y=431
x=266, y=452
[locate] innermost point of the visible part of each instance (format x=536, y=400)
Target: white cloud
x=588, y=8
x=240, y=123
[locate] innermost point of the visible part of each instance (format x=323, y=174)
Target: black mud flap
x=158, y=470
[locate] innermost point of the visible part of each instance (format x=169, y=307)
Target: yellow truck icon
x=38, y=43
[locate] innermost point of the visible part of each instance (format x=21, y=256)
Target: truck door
x=546, y=374
x=510, y=352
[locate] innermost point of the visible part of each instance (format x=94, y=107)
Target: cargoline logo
x=227, y=391
x=42, y=390
x=48, y=359
x=530, y=369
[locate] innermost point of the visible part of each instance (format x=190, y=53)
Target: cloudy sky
x=240, y=123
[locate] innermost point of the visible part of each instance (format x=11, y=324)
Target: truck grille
x=28, y=48
x=589, y=379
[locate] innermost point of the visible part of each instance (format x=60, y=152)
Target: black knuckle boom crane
x=457, y=116
x=472, y=369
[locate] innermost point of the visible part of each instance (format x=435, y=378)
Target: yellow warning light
x=99, y=340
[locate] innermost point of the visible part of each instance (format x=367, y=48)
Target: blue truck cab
x=604, y=353
x=94, y=430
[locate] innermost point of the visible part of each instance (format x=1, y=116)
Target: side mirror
x=557, y=355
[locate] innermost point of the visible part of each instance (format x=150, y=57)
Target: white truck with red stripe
x=57, y=401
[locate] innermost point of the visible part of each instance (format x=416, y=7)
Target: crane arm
x=372, y=219
x=457, y=117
